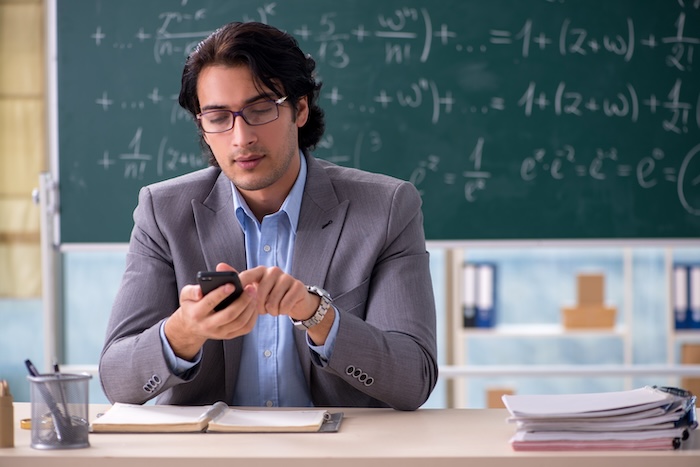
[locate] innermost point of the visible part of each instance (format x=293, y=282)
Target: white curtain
x=22, y=144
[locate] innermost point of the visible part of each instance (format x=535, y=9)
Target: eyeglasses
x=260, y=113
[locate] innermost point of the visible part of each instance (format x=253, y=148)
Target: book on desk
x=218, y=417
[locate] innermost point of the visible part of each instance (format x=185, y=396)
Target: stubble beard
x=267, y=179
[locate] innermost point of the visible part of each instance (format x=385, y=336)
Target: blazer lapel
x=220, y=234
x=221, y=239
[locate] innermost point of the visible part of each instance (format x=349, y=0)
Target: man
x=337, y=307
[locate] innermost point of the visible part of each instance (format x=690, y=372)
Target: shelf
x=568, y=370
x=541, y=330
x=686, y=335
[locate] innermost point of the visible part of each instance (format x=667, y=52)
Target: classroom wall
x=536, y=282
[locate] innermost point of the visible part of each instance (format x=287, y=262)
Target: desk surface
x=367, y=437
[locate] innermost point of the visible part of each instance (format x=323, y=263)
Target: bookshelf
x=548, y=328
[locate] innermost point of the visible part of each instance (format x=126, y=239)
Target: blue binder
x=486, y=295
x=681, y=296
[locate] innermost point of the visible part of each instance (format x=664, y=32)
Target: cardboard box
x=595, y=317
x=591, y=289
x=493, y=397
x=690, y=355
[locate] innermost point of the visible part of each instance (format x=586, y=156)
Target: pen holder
x=59, y=411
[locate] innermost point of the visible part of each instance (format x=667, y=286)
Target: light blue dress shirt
x=270, y=373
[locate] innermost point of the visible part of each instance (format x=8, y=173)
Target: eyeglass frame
x=239, y=113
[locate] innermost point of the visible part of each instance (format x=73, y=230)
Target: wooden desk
x=368, y=437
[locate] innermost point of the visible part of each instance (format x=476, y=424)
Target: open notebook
x=219, y=417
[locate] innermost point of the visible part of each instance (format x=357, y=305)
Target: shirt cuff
x=324, y=352
x=176, y=364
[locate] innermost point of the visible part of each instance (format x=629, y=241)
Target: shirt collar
x=291, y=205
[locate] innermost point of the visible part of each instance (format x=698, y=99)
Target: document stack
x=647, y=418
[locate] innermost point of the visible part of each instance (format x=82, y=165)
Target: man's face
x=261, y=159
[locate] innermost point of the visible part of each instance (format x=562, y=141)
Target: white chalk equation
x=605, y=165
x=410, y=34
x=573, y=39
x=135, y=164
x=533, y=86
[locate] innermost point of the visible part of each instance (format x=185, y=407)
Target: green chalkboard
x=539, y=119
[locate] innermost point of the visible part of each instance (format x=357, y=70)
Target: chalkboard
x=539, y=119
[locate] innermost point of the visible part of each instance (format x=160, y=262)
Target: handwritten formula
x=468, y=102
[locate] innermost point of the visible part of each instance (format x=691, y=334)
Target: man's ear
x=302, y=111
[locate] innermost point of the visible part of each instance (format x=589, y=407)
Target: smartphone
x=210, y=280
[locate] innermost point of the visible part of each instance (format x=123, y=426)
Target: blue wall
x=533, y=285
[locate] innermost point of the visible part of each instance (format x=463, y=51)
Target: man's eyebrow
x=248, y=101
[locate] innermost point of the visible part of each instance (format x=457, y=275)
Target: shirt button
x=269, y=403
x=267, y=248
x=267, y=353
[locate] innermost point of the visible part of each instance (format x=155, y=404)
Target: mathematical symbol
x=154, y=96
x=383, y=99
x=476, y=174
x=360, y=33
x=106, y=161
x=670, y=174
x=141, y=35
x=444, y=34
x=624, y=170
x=98, y=36
x=542, y=40
x=650, y=42
x=593, y=45
x=104, y=101
x=303, y=32
x=498, y=103
x=652, y=102
x=334, y=96
x=447, y=101
x=592, y=105
x=500, y=37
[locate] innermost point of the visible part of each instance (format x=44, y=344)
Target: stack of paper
x=645, y=418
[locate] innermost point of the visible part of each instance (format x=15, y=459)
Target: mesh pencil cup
x=59, y=410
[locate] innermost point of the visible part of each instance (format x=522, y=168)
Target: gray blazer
x=360, y=237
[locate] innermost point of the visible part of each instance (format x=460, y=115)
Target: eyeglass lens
x=217, y=121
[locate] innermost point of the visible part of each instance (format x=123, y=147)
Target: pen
x=32, y=369
x=57, y=372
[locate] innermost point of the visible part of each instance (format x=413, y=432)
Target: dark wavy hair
x=275, y=60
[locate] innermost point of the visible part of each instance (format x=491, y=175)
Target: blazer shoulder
x=348, y=178
x=197, y=184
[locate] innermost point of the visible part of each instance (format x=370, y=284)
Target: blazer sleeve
x=386, y=344
x=132, y=366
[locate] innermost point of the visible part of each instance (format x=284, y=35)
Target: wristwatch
x=320, y=311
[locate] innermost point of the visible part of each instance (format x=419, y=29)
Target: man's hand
x=279, y=293
x=196, y=321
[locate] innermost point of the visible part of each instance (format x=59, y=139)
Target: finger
x=224, y=267
x=279, y=298
x=252, y=276
x=294, y=299
x=215, y=297
x=191, y=293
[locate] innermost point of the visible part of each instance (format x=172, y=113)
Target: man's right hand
x=195, y=321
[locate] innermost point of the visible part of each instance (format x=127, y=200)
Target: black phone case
x=210, y=280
